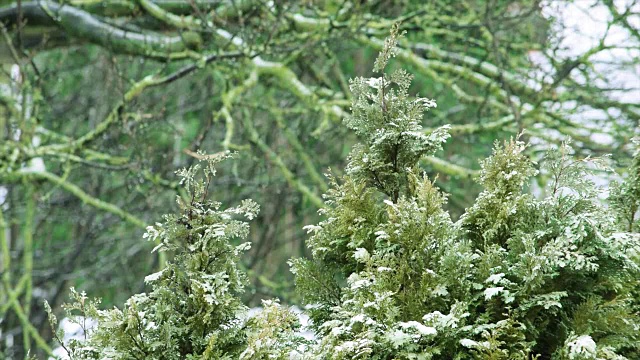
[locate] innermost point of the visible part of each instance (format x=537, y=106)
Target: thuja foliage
x=193, y=310
x=625, y=203
x=625, y=196
x=391, y=275
x=517, y=277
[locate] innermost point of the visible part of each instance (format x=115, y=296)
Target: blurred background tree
x=101, y=101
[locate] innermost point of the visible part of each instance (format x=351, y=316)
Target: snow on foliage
x=391, y=275
x=582, y=347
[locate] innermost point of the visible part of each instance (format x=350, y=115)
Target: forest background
x=102, y=101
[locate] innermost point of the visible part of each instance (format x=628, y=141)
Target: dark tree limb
x=81, y=24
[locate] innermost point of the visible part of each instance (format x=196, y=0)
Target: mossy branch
x=304, y=156
x=81, y=24
x=448, y=168
x=228, y=99
x=83, y=196
x=13, y=295
x=27, y=255
x=180, y=22
x=4, y=245
x=114, y=115
x=27, y=326
x=277, y=160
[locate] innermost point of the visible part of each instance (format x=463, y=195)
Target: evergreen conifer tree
x=193, y=310
x=392, y=277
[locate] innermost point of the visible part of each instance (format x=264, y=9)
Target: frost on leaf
x=154, y=276
x=582, y=348
x=495, y=278
x=422, y=329
x=399, y=338
x=361, y=255
x=491, y=292
x=468, y=343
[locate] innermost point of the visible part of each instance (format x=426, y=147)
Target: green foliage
x=272, y=334
x=517, y=277
x=193, y=310
x=625, y=196
x=388, y=122
x=95, y=118
x=392, y=276
x=625, y=202
x=489, y=220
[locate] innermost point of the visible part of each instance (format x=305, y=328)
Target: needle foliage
x=391, y=275
x=193, y=310
x=517, y=277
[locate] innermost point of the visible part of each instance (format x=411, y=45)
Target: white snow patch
x=583, y=347
x=495, y=278
x=491, y=292
x=361, y=255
